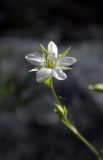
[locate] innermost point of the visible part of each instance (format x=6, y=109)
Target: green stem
x=70, y=126
x=54, y=94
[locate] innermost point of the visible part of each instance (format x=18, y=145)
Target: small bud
x=96, y=87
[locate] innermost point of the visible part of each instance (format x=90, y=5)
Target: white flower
x=50, y=63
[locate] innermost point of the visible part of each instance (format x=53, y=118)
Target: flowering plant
x=51, y=64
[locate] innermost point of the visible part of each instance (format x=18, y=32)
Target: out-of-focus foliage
x=13, y=94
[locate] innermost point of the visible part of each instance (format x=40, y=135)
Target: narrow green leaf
x=65, y=111
x=59, y=109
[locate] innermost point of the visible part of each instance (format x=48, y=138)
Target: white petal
x=66, y=61
x=58, y=74
x=43, y=74
x=52, y=49
x=35, y=59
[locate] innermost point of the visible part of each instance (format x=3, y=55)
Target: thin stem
x=54, y=93
x=69, y=125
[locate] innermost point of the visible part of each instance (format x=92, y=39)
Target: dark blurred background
x=29, y=129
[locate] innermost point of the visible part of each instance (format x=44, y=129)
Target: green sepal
x=65, y=53
x=66, y=68
x=44, y=51
x=34, y=69
x=96, y=87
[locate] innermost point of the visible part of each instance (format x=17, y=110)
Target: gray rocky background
x=29, y=129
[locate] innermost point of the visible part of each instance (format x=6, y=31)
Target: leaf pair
x=61, y=111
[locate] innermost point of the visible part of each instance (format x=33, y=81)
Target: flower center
x=51, y=63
